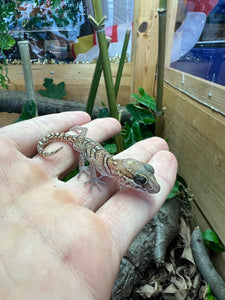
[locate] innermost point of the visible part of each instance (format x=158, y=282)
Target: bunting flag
x=86, y=48
x=82, y=45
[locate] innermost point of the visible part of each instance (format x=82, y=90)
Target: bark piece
x=139, y=258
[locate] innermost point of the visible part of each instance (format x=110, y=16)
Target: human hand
x=59, y=240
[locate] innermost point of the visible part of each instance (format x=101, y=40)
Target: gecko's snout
x=155, y=189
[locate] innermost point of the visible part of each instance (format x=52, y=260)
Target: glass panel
x=199, y=39
x=119, y=18
x=65, y=33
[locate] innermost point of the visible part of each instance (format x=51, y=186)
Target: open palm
x=59, y=240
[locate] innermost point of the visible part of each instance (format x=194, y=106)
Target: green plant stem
x=95, y=84
x=106, y=68
x=161, y=64
x=122, y=60
x=98, y=71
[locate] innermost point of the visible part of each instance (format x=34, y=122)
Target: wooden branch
x=13, y=102
x=205, y=265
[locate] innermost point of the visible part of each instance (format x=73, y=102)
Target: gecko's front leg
x=94, y=179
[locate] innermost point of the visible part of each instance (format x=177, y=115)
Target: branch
x=148, y=246
x=13, y=102
x=205, y=265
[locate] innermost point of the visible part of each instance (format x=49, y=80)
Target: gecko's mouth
x=155, y=189
x=150, y=189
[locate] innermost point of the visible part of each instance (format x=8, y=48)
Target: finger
x=144, y=150
x=129, y=210
x=98, y=130
x=27, y=133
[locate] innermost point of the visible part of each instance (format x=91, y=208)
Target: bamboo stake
x=161, y=63
x=122, y=60
x=95, y=83
x=98, y=72
x=98, y=22
x=25, y=57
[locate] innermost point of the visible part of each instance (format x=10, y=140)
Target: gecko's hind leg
x=82, y=167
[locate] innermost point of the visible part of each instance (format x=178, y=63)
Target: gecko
x=128, y=172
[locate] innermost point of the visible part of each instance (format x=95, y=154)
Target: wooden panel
x=145, y=45
x=196, y=137
x=7, y=118
x=170, y=25
x=197, y=88
x=77, y=78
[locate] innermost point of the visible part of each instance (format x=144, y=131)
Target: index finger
x=27, y=133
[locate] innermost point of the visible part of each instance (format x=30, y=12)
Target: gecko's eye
x=140, y=179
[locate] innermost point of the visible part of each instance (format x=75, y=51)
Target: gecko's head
x=139, y=176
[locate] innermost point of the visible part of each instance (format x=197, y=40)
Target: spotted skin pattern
x=128, y=172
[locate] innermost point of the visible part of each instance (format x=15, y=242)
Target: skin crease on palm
x=59, y=240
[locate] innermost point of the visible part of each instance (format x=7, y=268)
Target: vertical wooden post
x=170, y=25
x=145, y=45
x=145, y=42
x=159, y=120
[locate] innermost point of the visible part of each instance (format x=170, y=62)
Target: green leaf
x=140, y=114
x=7, y=9
x=56, y=91
x=60, y=90
x=145, y=99
x=174, y=191
x=136, y=97
x=209, y=295
x=181, y=180
x=129, y=137
x=145, y=131
x=136, y=131
x=111, y=148
x=48, y=82
x=103, y=113
x=148, y=101
x=71, y=174
x=141, y=91
x=3, y=82
x=61, y=12
x=6, y=41
x=55, y=3
x=29, y=111
x=212, y=241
